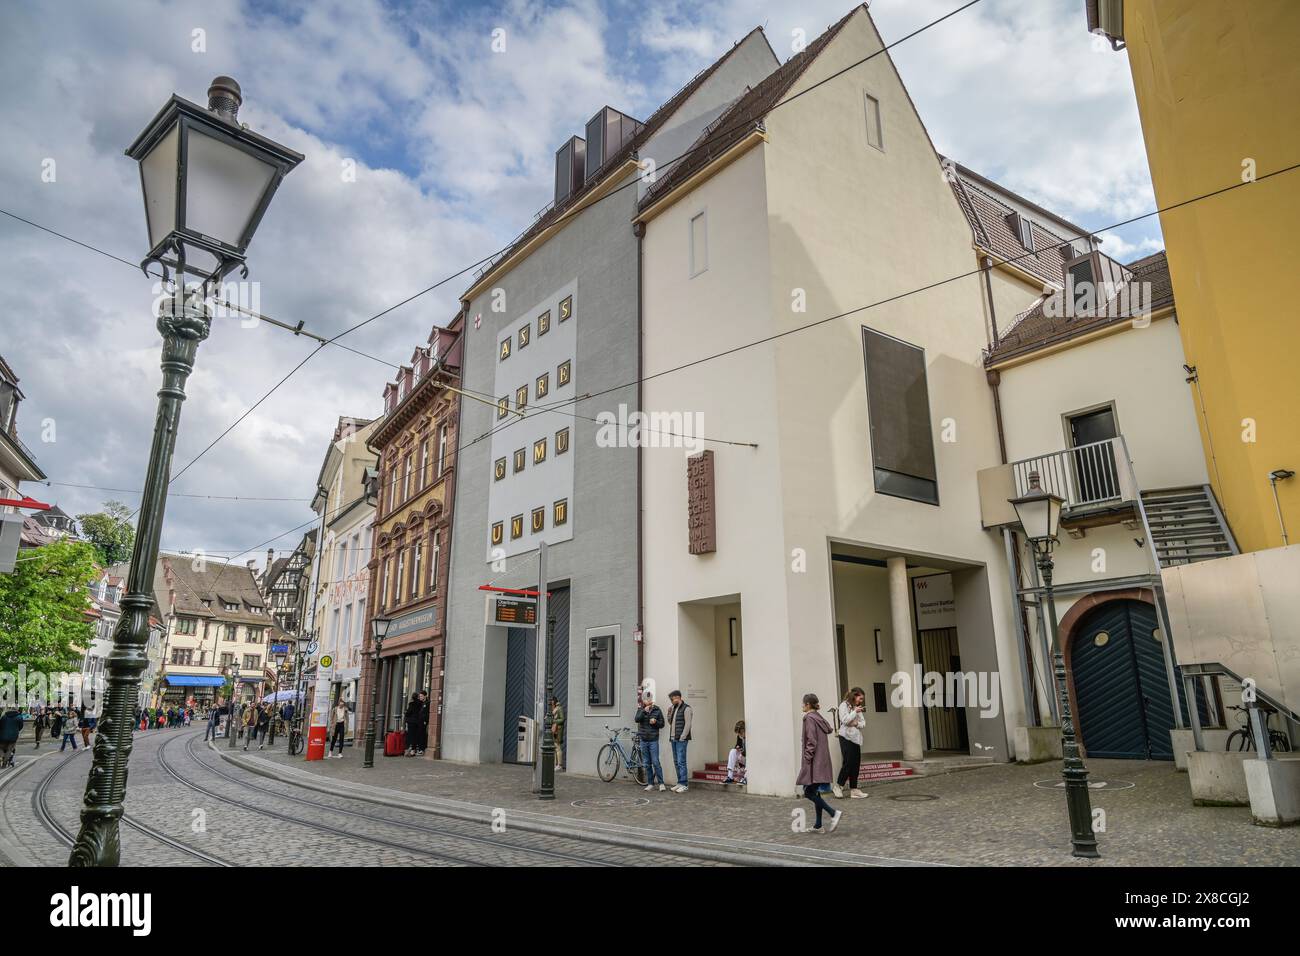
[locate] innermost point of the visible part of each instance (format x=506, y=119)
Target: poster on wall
x=934, y=605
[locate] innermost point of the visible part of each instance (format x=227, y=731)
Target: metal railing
x=1084, y=475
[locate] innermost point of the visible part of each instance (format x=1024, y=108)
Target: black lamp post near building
x=232, y=728
x=207, y=182
x=378, y=630
x=1039, y=512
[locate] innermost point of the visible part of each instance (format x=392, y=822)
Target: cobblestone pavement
x=189, y=794
x=989, y=816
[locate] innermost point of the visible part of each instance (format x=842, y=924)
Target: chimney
x=225, y=98
x=270, y=558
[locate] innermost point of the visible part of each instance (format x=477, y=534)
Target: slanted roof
x=744, y=115
x=215, y=582
x=557, y=211
x=1035, y=329
x=987, y=215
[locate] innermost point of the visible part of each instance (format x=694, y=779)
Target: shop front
x=411, y=662
x=179, y=689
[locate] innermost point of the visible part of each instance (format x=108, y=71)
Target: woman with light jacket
x=815, y=766
x=852, y=720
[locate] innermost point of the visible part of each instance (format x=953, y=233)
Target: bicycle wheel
x=1242, y=744
x=607, y=763
x=1279, y=741
x=295, y=745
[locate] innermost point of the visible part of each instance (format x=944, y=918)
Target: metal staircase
x=1185, y=525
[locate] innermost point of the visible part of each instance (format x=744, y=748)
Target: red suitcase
x=395, y=744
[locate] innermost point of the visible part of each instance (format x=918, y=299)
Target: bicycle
x=295, y=739
x=1276, y=739
x=613, y=757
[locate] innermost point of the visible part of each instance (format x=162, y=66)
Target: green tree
x=43, y=604
x=110, y=532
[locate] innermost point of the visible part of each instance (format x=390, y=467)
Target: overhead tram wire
x=333, y=340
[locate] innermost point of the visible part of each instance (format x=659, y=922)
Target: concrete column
x=900, y=618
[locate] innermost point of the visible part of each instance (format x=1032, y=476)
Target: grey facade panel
x=596, y=255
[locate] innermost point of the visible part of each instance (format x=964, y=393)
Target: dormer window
x=1023, y=229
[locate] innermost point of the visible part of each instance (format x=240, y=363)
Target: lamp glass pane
x=158, y=173
x=224, y=185
x=1033, y=515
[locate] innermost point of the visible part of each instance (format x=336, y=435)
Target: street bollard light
x=1039, y=513
x=207, y=182
x=379, y=629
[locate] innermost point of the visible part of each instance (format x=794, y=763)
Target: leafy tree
x=110, y=532
x=43, y=608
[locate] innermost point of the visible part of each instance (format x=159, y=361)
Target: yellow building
x=1217, y=87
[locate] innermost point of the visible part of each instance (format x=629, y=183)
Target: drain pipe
x=1282, y=474
x=639, y=231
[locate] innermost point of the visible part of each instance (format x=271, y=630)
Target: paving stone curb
x=696, y=846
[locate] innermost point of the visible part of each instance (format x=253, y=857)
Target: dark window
x=882, y=697
x=600, y=676
x=898, y=407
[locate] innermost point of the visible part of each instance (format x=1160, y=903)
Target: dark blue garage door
x=1119, y=683
x=521, y=647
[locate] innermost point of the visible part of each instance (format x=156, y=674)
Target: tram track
x=40, y=805
x=441, y=832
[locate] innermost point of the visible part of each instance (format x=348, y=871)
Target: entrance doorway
x=1125, y=709
x=521, y=670
x=945, y=723
x=1096, y=476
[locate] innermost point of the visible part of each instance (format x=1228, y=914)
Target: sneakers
x=857, y=794
x=649, y=788
x=837, y=790
x=835, y=820
x=816, y=830
x=680, y=788
x=662, y=788
x=728, y=780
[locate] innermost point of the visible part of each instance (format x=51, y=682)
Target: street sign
x=327, y=661
x=313, y=647
x=516, y=613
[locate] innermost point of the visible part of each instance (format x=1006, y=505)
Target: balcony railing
x=1097, y=475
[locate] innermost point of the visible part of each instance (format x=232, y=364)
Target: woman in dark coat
x=417, y=724
x=815, y=766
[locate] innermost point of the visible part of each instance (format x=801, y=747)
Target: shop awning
x=194, y=680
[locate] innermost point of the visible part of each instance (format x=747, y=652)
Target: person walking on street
x=211, y=730
x=815, y=765
x=417, y=724
x=340, y=727
x=41, y=724
x=650, y=721
x=11, y=725
x=557, y=732
x=679, y=735
x=249, y=724
x=66, y=726
x=83, y=724
x=263, y=724
x=852, y=719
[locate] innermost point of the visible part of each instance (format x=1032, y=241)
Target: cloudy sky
x=453, y=148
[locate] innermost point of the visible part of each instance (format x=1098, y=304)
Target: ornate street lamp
x=207, y=181
x=1039, y=513
x=379, y=630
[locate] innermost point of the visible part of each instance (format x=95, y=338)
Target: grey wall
x=596, y=256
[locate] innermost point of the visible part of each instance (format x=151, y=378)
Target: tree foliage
x=110, y=532
x=43, y=604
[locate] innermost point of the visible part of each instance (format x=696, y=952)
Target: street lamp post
x=379, y=630
x=232, y=730
x=1039, y=513
x=548, y=738
x=207, y=182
